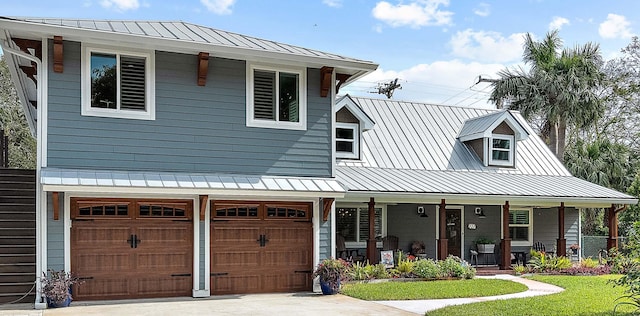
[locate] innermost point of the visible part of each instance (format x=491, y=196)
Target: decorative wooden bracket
x=203, y=205
x=326, y=208
x=26, y=44
x=34, y=103
x=31, y=72
x=58, y=54
x=55, y=196
x=203, y=67
x=341, y=78
x=325, y=81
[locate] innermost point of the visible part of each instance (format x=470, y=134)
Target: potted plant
x=574, y=248
x=56, y=287
x=329, y=273
x=485, y=245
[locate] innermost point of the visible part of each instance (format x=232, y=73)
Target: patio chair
x=390, y=242
x=539, y=246
x=344, y=253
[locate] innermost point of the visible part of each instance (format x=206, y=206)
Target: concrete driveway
x=257, y=304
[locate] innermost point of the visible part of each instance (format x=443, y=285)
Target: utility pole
x=499, y=104
x=388, y=88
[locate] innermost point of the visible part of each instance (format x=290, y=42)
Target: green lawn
x=430, y=289
x=583, y=295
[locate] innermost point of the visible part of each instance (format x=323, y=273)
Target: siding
x=404, y=222
x=197, y=129
x=489, y=227
x=325, y=238
x=55, y=236
x=545, y=226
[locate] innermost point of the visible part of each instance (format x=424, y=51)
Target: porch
x=514, y=229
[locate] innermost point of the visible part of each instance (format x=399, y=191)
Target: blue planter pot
x=327, y=290
x=54, y=304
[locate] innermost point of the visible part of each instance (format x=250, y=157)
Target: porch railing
x=4, y=150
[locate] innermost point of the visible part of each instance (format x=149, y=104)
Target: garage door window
x=266, y=210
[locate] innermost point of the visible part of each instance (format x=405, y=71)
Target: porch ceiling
x=398, y=185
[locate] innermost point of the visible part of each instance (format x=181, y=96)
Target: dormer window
x=347, y=140
x=501, y=150
x=493, y=138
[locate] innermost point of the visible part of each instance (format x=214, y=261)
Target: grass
x=430, y=289
x=583, y=295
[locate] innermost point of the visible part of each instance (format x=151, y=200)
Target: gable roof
x=184, y=37
x=412, y=135
x=413, y=154
x=346, y=102
x=482, y=126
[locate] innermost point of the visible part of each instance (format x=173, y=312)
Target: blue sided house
x=180, y=160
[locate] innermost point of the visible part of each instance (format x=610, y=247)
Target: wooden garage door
x=132, y=248
x=260, y=247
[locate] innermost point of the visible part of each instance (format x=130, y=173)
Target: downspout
x=41, y=260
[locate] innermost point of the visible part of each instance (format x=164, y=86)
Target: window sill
x=299, y=126
x=132, y=115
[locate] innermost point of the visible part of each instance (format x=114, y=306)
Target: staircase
x=17, y=234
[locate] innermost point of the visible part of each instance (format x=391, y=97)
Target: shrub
x=405, y=267
x=589, y=263
x=519, y=269
x=376, y=271
x=357, y=272
x=582, y=270
x=426, y=268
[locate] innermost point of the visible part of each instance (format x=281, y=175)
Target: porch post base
x=561, y=247
x=612, y=242
x=443, y=248
x=371, y=251
x=505, y=254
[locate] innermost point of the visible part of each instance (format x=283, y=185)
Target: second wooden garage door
x=260, y=247
x=126, y=248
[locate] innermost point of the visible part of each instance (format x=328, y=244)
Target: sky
x=436, y=48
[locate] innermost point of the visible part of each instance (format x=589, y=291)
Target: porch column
x=612, y=241
x=505, y=243
x=443, y=242
x=561, y=245
x=371, y=242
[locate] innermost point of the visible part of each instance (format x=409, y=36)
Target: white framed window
x=118, y=83
x=521, y=227
x=347, y=140
x=352, y=223
x=276, y=97
x=501, y=150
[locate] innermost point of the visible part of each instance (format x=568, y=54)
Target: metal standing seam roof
x=184, y=31
x=55, y=177
x=411, y=135
x=413, y=148
x=481, y=124
x=359, y=179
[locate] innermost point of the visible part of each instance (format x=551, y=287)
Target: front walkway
x=422, y=306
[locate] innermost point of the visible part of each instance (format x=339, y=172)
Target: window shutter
x=264, y=96
x=519, y=217
x=132, y=83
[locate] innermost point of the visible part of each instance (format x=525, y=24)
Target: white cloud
x=487, y=46
x=483, y=9
x=333, y=3
x=615, y=26
x=416, y=14
x=218, y=6
x=441, y=82
x=558, y=22
x=120, y=5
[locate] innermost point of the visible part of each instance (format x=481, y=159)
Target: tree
x=22, y=145
x=601, y=162
x=632, y=214
x=559, y=87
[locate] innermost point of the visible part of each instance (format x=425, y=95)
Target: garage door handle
x=85, y=278
x=181, y=275
x=303, y=271
x=220, y=274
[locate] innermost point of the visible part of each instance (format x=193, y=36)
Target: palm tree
x=559, y=86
